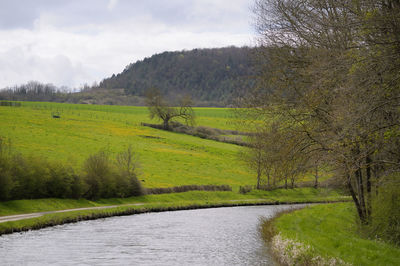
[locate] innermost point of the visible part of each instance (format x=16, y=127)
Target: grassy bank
x=150, y=203
x=326, y=233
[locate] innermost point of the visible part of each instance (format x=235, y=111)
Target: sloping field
x=166, y=159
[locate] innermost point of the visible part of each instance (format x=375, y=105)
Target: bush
x=186, y=188
x=6, y=180
x=23, y=177
x=63, y=182
x=31, y=177
x=128, y=183
x=99, y=175
x=245, y=189
x=105, y=178
x=205, y=132
x=385, y=216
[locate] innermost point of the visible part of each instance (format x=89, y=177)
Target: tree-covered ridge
x=210, y=76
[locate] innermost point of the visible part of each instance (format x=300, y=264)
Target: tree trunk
x=361, y=195
x=368, y=172
x=274, y=181
x=375, y=171
x=355, y=200
x=166, y=124
x=316, y=177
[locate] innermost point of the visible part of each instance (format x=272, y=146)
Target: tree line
x=328, y=94
x=34, y=91
x=212, y=77
x=28, y=177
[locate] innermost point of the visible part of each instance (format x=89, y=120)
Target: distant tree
x=99, y=176
x=159, y=108
x=128, y=183
x=255, y=158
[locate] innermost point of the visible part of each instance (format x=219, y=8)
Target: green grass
x=166, y=158
x=169, y=159
x=332, y=231
x=290, y=195
x=193, y=199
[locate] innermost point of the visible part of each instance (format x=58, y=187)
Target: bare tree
x=127, y=162
x=159, y=108
x=255, y=157
x=332, y=73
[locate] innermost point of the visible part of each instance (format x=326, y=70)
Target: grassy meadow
x=330, y=231
x=166, y=158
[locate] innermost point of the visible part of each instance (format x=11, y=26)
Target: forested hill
x=210, y=76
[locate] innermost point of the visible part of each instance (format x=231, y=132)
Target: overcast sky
x=72, y=42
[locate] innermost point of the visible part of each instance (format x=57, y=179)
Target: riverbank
x=215, y=236
x=325, y=235
x=149, y=203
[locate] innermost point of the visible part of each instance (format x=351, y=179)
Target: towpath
x=17, y=217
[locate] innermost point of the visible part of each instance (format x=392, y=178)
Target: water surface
x=219, y=236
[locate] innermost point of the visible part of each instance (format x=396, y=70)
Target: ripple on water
x=220, y=236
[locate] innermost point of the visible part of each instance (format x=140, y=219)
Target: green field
x=166, y=158
x=332, y=232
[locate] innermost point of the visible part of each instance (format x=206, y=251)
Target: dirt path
x=17, y=217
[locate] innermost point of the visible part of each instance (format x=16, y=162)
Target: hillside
x=210, y=76
x=166, y=158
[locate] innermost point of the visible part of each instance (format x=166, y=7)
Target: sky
x=76, y=42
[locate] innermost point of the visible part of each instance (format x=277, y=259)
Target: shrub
x=63, y=182
x=99, y=176
x=205, y=132
x=10, y=103
x=186, y=188
x=245, y=189
x=128, y=183
x=179, y=127
x=23, y=177
x=385, y=216
x=6, y=181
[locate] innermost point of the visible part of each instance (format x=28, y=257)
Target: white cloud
x=112, y=4
x=64, y=53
